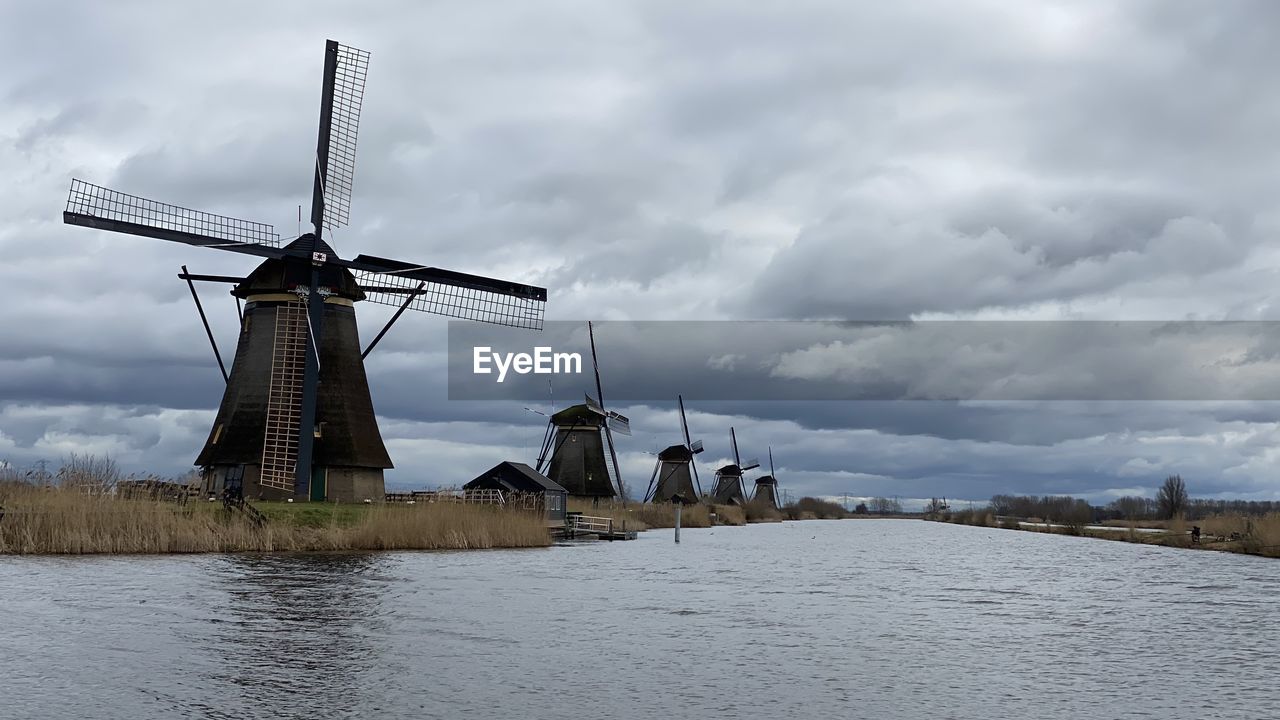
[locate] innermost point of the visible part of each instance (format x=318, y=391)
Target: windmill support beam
x=310, y=381
x=205, y=321
x=405, y=306
x=184, y=275
x=648, y=494
x=315, y=303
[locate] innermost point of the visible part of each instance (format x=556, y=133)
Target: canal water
x=820, y=619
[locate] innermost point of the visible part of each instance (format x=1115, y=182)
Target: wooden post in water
x=679, y=507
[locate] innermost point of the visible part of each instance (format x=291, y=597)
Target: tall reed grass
x=758, y=511
x=729, y=515
x=1257, y=534
x=54, y=521
x=643, y=516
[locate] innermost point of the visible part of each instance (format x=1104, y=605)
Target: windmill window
x=217, y=433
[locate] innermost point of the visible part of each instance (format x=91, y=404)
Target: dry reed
x=643, y=516
x=758, y=511
x=1257, y=534
x=52, y=521
x=729, y=515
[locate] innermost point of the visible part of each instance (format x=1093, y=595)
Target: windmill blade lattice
x=457, y=295
x=340, y=170
x=95, y=206
x=451, y=301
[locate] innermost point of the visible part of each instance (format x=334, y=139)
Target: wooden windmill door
x=319, y=483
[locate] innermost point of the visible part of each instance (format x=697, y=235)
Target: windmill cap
x=677, y=453
x=578, y=415
x=294, y=270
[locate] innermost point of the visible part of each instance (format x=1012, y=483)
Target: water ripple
x=883, y=619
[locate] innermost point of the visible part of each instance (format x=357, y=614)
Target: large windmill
x=729, y=488
x=767, y=487
x=576, y=440
x=296, y=419
x=671, y=479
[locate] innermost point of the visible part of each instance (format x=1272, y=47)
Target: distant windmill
x=671, y=477
x=296, y=419
x=767, y=486
x=574, y=445
x=729, y=488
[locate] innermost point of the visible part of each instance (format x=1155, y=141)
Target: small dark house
x=514, y=477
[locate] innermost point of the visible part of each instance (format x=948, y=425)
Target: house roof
x=514, y=476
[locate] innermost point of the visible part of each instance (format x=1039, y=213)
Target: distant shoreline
x=1232, y=533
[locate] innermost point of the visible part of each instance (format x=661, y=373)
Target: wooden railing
x=519, y=501
x=585, y=523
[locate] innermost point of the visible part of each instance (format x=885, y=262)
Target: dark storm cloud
x=665, y=161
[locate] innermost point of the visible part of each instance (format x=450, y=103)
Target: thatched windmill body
x=296, y=419
x=729, y=489
x=675, y=477
x=766, y=491
x=577, y=448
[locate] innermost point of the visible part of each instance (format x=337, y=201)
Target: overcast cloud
x=656, y=161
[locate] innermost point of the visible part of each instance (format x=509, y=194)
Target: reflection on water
x=295, y=624
x=884, y=619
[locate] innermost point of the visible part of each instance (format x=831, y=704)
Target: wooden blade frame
x=456, y=295
x=693, y=454
x=343, y=92
x=94, y=206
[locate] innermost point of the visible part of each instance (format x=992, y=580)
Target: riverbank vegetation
x=68, y=520
x=1171, y=519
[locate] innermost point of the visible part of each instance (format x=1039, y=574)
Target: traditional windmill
x=671, y=477
x=767, y=487
x=573, y=446
x=729, y=488
x=296, y=419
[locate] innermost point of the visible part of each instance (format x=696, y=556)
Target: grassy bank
x=1237, y=533
x=52, y=521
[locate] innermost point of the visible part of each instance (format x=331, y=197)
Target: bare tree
x=89, y=473
x=1172, y=496
x=936, y=506
x=885, y=506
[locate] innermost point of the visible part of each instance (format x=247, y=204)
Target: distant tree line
x=1053, y=508
x=1172, y=499
x=1140, y=508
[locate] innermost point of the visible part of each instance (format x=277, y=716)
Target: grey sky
x=930, y=160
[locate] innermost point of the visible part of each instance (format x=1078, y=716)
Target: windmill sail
x=695, y=446
x=94, y=206
x=345, y=91
x=618, y=423
x=448, y=293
